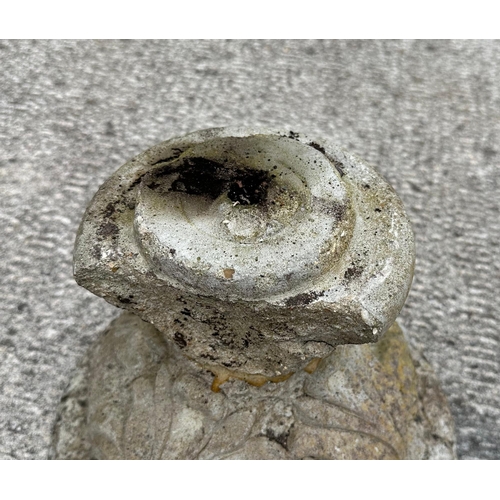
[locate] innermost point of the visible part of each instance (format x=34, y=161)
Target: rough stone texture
x=137, y=397
x=426, y=113
x=256, y=251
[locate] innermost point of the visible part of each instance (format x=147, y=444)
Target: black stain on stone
x=335, y=163
x=176, y=152
x=125, y=300
x=136, y=182
x=334, y=209
x=319, y=148
x=180, y=340
x=249, y=188
x=108, y=229
x=97, y=252
x=339, y=167
x=352, y=272
x=203, y=177
x=280, y=438
x=154, y=185
x=109, y=210
x=303, y=299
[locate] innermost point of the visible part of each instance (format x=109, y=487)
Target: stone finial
x=260, y=256
x=255, y=251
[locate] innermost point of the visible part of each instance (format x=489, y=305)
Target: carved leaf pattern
x=145, y=400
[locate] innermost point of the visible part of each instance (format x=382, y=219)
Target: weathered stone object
x=137, y=397
x=246, y=257
x=297, y=242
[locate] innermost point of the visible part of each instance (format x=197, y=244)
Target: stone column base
x=135, y=396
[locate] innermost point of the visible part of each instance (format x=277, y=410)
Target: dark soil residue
x=303, y=299
x=199, y=176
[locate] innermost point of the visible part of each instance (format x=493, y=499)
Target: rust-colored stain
x=228, y=273
x=218, y=381
x=222, y=375
x=312, y=365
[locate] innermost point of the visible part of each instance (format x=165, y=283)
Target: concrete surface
x=427, y=114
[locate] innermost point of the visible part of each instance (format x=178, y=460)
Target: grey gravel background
x=427, y=114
